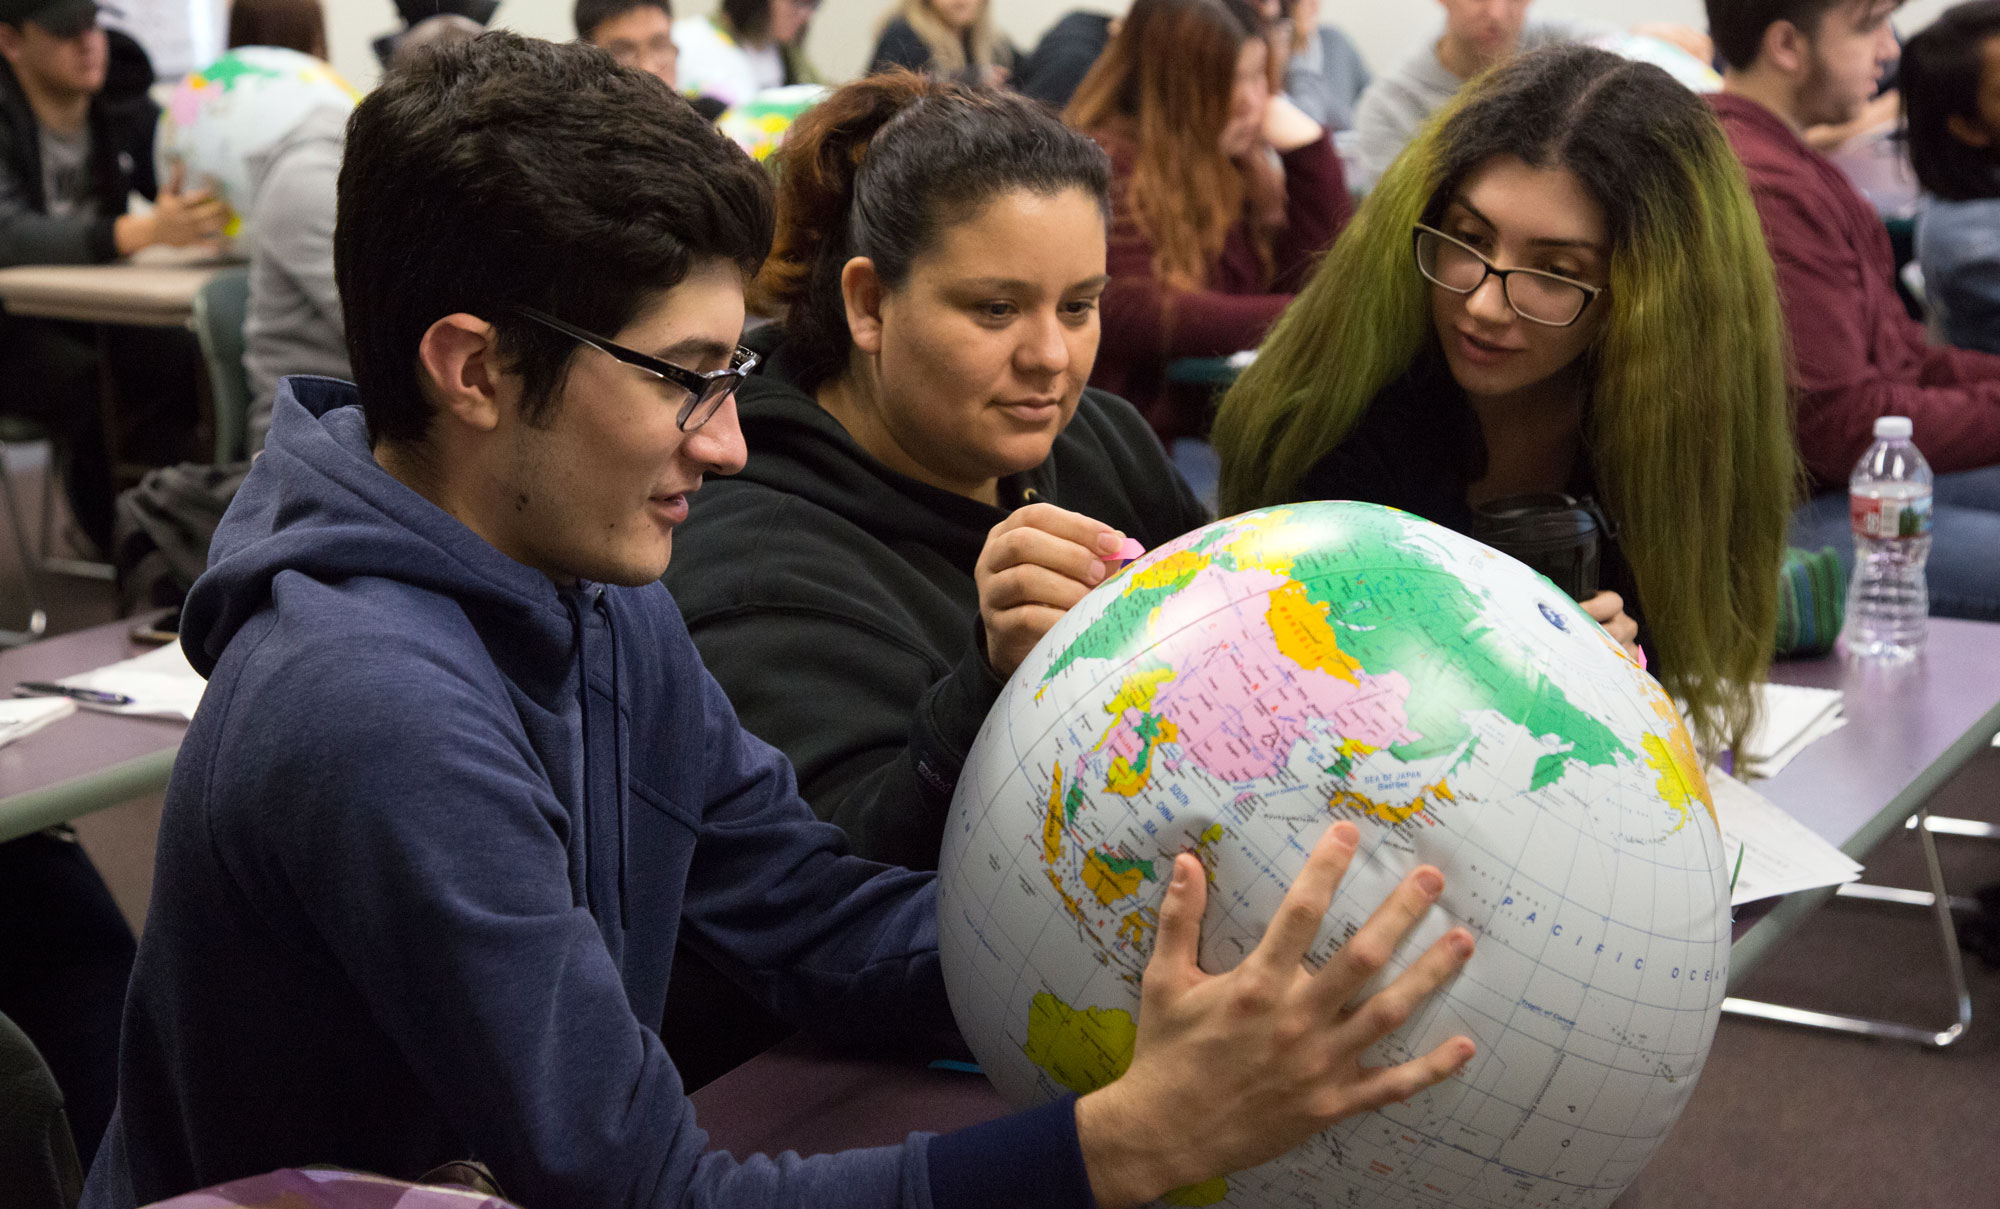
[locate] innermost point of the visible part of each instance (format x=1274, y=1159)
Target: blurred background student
x=949, y=39
x=1223, y=195
x=1324, y=75
x=293, y=24
x=743, y=48
x=637, y=33
x=1561, y=288
x=1951, y=94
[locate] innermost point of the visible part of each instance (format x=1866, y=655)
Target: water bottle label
x=1889, y=517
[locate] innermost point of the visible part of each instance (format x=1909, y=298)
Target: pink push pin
x=1128, y=550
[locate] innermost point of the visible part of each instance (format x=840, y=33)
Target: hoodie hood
x=317, y=504
x=323, y=131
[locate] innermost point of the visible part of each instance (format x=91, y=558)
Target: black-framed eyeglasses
x=706, y=393
x=1549, y=299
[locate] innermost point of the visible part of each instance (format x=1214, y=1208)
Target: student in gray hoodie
x=294, y=323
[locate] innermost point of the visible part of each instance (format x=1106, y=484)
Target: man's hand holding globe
x=1231, y=1070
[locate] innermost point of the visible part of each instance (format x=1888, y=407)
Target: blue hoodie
x=427, y=849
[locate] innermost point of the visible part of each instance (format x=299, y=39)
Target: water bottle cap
x=1894, y=428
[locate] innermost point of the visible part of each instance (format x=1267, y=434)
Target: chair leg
x=38, y=618
x=1940, y=903
x=78, y=568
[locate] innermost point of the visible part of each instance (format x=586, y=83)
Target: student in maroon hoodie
x=1856, y=354
x=1223, y=195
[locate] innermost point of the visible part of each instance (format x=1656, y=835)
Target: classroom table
x=1909, y=730
x=121, y=294
x=155, y=291
x=89, y=760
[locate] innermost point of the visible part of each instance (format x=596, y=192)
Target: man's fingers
x=178, y=179
x=1391, y=1007
x=1604, y=606
x=1370, y=948
x=1298, y=918
x=1388, y=1085
x=1177, y=946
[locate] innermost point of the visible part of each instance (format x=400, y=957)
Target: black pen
x=48, y=688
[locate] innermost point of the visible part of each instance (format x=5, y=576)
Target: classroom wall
x=844, y=31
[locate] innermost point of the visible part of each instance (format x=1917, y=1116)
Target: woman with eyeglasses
x=930, y=486
x=1561, y=286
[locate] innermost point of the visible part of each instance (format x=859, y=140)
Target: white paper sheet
x=160, y=683
x=1779, y=855
x=1793, y=718
x=23, y=716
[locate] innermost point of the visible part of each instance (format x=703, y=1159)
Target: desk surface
x=1909, y=730
x=797, y=1097
x=88, y=760
x=139, y=295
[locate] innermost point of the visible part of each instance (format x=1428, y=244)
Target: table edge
x=27, y=813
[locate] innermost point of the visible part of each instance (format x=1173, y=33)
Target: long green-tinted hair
x=1688, y=426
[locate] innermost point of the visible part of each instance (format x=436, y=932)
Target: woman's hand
x=1036, y=565
x=1608, y=610
x=1286, y=126
x=1232, y=1070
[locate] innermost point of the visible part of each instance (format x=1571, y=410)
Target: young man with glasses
x=637, y=33
x=455, y=788
x=1856, y=353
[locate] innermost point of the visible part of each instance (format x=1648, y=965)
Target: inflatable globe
x=222, y=117
x=759, y=124
x=1235, y=692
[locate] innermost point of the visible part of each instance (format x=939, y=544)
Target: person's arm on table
x=179, y=219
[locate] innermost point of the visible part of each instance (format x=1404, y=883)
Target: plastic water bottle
x=1889, y=501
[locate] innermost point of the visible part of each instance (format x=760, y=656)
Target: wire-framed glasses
x=706, y=392
x=1549, y=299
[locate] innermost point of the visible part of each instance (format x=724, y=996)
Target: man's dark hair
x=592, y=13
x=1940, y=78
x=1737, y=26
x=510, y=171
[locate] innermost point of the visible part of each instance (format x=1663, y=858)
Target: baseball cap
x=62, y=18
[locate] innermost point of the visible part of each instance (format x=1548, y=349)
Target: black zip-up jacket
x=121, y=161
x=834, y=598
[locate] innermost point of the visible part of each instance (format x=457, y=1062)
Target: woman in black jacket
x=930, y=487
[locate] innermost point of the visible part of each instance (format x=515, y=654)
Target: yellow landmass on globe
x=1052, y=828
x=1208, y=1192
x=1268, y=542
x=1081, y=1048
x=1108, y=881
x=1167, y=571
x=1136, y=924
x=1137, y=692
x=1390, y=812
x=1682, y=781
x=1126, y=778
x=1304, y=637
